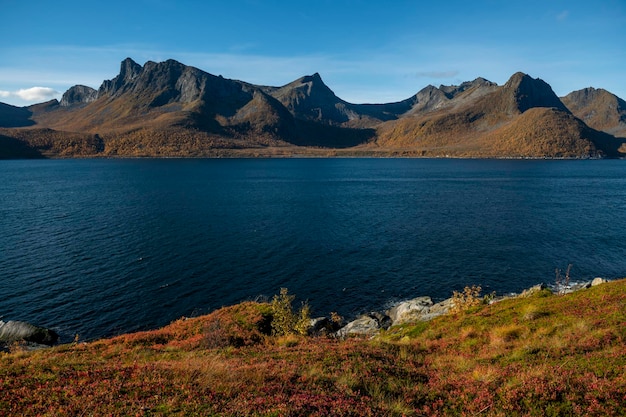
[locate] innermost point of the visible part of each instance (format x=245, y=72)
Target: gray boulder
x=439, y=309
x=17, y=331
x=410, y=311
x=418, y=309
x=366, y=325
x=598, y=281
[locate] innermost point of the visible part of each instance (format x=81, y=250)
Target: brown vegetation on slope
x=41, y=143
x=544, y=132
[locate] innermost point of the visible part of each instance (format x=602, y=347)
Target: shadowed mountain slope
x=11, y=116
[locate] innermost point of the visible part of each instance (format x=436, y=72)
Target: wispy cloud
x=437, y=74
x=562, y=16
x=32, y=94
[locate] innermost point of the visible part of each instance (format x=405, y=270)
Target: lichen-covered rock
x=418, y=309
x=411, y=310
x=366, y=325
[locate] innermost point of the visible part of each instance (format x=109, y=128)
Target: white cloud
x=36, y=93
x=563, y=15
x=31, y=95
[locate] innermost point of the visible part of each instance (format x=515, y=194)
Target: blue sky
x=365, y=50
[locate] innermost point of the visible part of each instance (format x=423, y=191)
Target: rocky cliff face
x=129, y=70
x=159, y=84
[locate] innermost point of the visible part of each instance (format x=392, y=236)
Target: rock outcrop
x=531, y=92
x=366, y=325
x=79, y=94
x=20, y=331
x=422, y=309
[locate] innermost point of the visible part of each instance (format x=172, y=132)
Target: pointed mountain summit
x=129, y=70
x=309, y=98
x=599, y=109
x=531, y=92
x=520, y=93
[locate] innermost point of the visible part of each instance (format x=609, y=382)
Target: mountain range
x=171, y=109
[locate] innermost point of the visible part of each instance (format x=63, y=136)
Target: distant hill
x=523, y=118
x=599, y=109
x=171, y=109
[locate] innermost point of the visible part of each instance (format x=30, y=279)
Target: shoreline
x=418, y=309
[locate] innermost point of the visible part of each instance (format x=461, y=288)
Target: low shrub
x=284, y=320
x=468, y=298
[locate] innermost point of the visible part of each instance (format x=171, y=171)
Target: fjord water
x=101, y=247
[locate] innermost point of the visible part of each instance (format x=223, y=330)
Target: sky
x=366, y=51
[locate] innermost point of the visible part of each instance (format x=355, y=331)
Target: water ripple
x=103, y=247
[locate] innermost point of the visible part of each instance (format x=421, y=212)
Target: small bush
x=468, y=298
x=284, y=320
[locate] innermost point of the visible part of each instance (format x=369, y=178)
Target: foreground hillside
x=543, y=355
x=170, y=109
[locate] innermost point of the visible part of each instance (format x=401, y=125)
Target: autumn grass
x=542, y=355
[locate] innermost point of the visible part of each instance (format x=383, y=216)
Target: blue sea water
x=102, y=247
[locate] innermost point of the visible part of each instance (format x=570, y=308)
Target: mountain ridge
x=171, y=109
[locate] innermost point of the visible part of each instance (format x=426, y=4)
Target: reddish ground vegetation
x=542, y=355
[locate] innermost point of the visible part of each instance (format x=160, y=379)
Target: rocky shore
x=415, y=310
x=424, y=309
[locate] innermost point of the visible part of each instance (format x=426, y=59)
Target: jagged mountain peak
x=315, y=78
x=129, y=70
x=309, y=85
x=310, y=98
x=157, y=84
x=453, y=90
